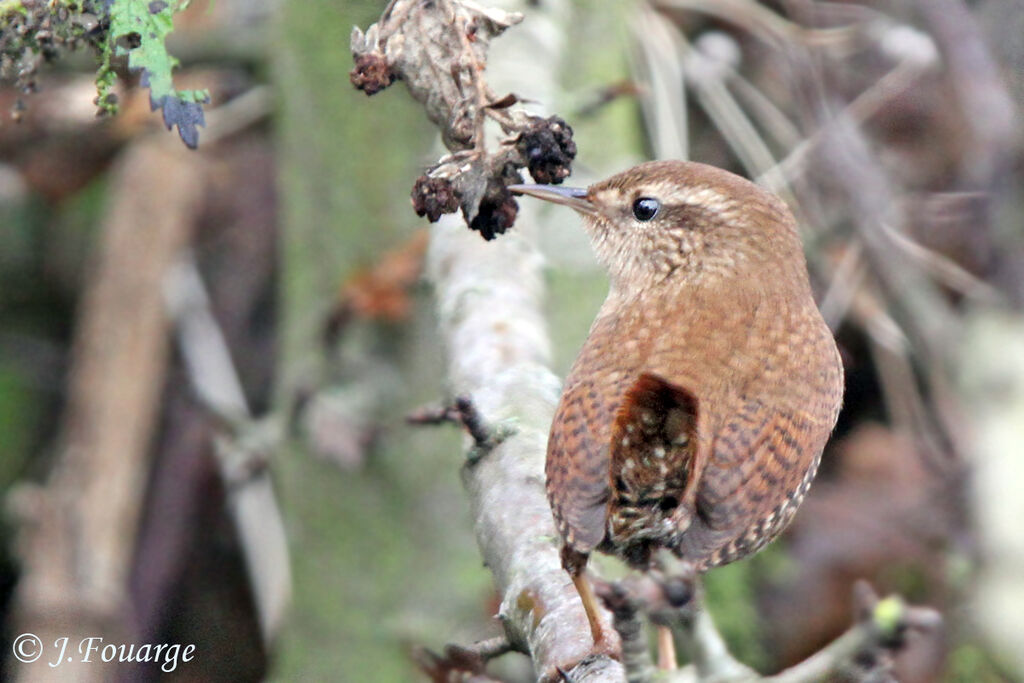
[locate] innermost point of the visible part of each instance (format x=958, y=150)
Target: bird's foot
x=676, y=577
x=607, y=645
x=461, y=662
x=463, y=412
x=486, y=436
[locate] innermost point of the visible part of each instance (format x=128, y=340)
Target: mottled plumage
x=695, y=415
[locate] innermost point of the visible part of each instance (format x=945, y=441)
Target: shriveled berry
x=497, y=212
x=371, y=73
x=432, y=197
x=548, y=148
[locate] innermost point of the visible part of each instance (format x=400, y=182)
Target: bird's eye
x=646, y=208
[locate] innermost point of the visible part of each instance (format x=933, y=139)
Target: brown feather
x=653, y=443
x=710, y=317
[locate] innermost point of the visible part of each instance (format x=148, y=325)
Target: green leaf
x=139, y=29
x=8, y=7
x=888, y=614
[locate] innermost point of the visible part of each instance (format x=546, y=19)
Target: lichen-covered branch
x=489, y=302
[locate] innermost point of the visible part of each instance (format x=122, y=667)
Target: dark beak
x=573, y=197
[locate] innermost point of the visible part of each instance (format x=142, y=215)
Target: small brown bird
x=695, y=415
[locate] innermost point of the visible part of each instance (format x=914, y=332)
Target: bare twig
x=989, y=110
x=461, y=662
x=917, y=59
x=485, y=436
x=845, y=282
x=433, y=415
x=882, y=627
x=473, y=421
x=674, y=599
x=238, y=114
x=708, y=69
x=659, y=63
x=943, y=269
x=628, y=618
x=926, y=315
x=764, y=22
x=242, y=451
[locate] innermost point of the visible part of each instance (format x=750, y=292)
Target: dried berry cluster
x=544, y=146
x=432, y=197
x=497, y=211
x=371, y=73
x=37, y=31
x=549, y=149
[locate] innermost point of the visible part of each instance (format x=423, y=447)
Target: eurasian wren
x=695, y=415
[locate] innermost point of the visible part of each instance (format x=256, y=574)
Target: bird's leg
x=666, y=650
x=575, y=563
x=589, y=606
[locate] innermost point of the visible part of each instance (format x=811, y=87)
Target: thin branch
x=882, y=628
x=658, y=63
x=988, y=108
x=460, y=663
x=242, y=450
x=434, y=415
x=675, y=600
x=764, y=22
x=484, y=435
x=860, y=110
x=708, y=71
x=629, y=620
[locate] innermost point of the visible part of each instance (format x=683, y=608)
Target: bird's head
x=680, y=222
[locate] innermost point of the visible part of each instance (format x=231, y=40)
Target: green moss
x=139, y=30
x=615, y=132
x=573, y=300
x=18, y=419
x=347, y=163
x=383, y=557
x=732, y=602
x=969, y=663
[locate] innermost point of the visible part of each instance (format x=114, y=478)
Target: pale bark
x=490, y=298
x=78, y=537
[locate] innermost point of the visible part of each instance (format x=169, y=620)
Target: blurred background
x=207, y=357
